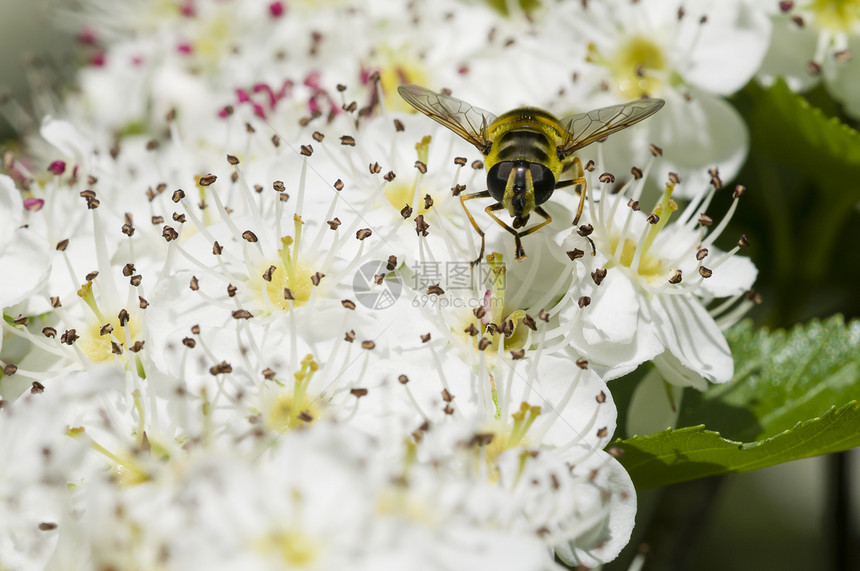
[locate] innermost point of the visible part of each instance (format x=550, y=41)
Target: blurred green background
x=35, y=53
x=801, y=217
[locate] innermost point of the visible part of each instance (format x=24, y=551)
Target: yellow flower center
x=651, y=268
x=99, y=334
x=292, y=407
x=97, y=346
x=505, y=436
x=395, y=68
x=287, y=411
x=400, y=194
x=836, y=15
x=128, y=475
x=295, y=278
x=637, y=256
x=285, y=280
x=211, y=43
x=498, y=324
x=397, y=501
x=503, y=6
x=633, y=67
x=295, y=548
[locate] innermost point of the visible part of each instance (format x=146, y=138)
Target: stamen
x=725, y=306
x=640, y=247
x=443, y=381
x=694, y=247
x=714, y=234
x=622, y=237
x=730, y=318
x=107, y=285
x=686, y=218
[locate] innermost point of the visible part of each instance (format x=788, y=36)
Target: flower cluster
x=243, y=329
x=815, y=41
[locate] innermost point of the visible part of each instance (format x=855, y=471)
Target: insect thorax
x=526, y=134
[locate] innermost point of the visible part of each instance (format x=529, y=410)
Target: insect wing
x=585, y=128
x=466, y=120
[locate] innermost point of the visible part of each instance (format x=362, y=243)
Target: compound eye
x=543, y=182
x=497, y=179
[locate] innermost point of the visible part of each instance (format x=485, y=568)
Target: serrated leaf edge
x=743, y=447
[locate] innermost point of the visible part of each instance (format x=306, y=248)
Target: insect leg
x=519, y=252
x=463, y=199
x=580, y=179
x=537, y=227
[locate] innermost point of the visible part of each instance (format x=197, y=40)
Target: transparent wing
x=464, y=119
x=585, y=128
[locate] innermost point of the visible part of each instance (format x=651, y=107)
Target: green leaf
x=781, y=378
x=803, y=175
x=794, y=395
x=819, y=145
x=677, y=455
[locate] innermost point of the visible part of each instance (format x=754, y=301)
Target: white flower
x=42, y=467
x=692, y=54
x=261, y=344
x=652, y=277
x=816, y=40
x=21, y=249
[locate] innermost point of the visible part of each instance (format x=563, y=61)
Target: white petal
x=29, y=261
x=693, y=337
x=11, y=209
x=611, y=333
x=697, y=135
x=843, y=80
x=579, y=416
x=673, y=372
x=730, y=48
x=734, y=276
x=611, y=360
x=613, y=314
x=617, y=527
x=66, y=138
x=22, y=252
x=791, y=48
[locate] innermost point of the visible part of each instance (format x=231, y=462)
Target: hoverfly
x=528, y=153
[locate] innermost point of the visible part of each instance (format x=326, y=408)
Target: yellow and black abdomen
x=526, y=134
